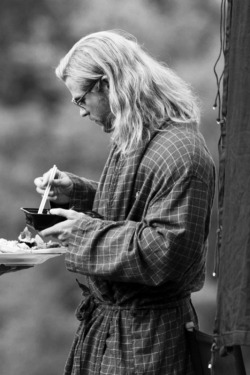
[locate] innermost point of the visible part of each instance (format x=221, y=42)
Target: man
x=145, y=254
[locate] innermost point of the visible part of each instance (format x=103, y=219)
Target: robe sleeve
x=168, y=244
x=83, y=193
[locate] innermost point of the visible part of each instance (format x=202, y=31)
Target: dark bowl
x=41, y=221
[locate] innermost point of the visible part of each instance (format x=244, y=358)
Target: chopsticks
x=47, y=190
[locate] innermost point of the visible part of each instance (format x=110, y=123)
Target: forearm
x=132, y=252
x=168, y=244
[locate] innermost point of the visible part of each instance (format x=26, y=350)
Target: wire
x=218, y=102
x=219, y=78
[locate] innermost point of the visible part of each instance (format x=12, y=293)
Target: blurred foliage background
x=39, y=128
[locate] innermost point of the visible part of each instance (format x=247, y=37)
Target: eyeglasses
x=80, y=102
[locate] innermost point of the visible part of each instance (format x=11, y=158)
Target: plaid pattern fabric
x=145, y=258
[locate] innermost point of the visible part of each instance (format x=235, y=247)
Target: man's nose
x=83, y=112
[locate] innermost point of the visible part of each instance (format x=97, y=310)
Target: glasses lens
x=81, y=101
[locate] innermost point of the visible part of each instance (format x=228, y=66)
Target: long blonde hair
x=143, y=92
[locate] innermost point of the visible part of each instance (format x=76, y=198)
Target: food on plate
x=13, y=246
x=26, y=237
x=25, y=243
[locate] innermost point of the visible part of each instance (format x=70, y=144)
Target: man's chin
x=107, y=129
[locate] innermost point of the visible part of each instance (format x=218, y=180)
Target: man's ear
x=105, y=82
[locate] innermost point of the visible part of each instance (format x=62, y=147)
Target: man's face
x=95, y=103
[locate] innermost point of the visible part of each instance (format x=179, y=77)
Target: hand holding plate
x=65, y=230
x=7, y=269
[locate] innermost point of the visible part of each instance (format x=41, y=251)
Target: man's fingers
x=68, y=214
x=59, y=228
x=65, y=226
x=54, y=231
x=61, y=212
x=62, y=182
x=39, y=182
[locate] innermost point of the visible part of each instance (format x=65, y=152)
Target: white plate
x=30, y=259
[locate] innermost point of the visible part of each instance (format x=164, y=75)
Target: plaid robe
x=143, y=260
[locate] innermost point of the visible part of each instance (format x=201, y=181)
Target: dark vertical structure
x=232, y=323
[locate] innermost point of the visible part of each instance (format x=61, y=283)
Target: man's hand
x=61, y=186
x=65, y=230
x=7, y=269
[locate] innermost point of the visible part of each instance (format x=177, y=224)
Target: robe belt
x=89, y=303
x=84, y=314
